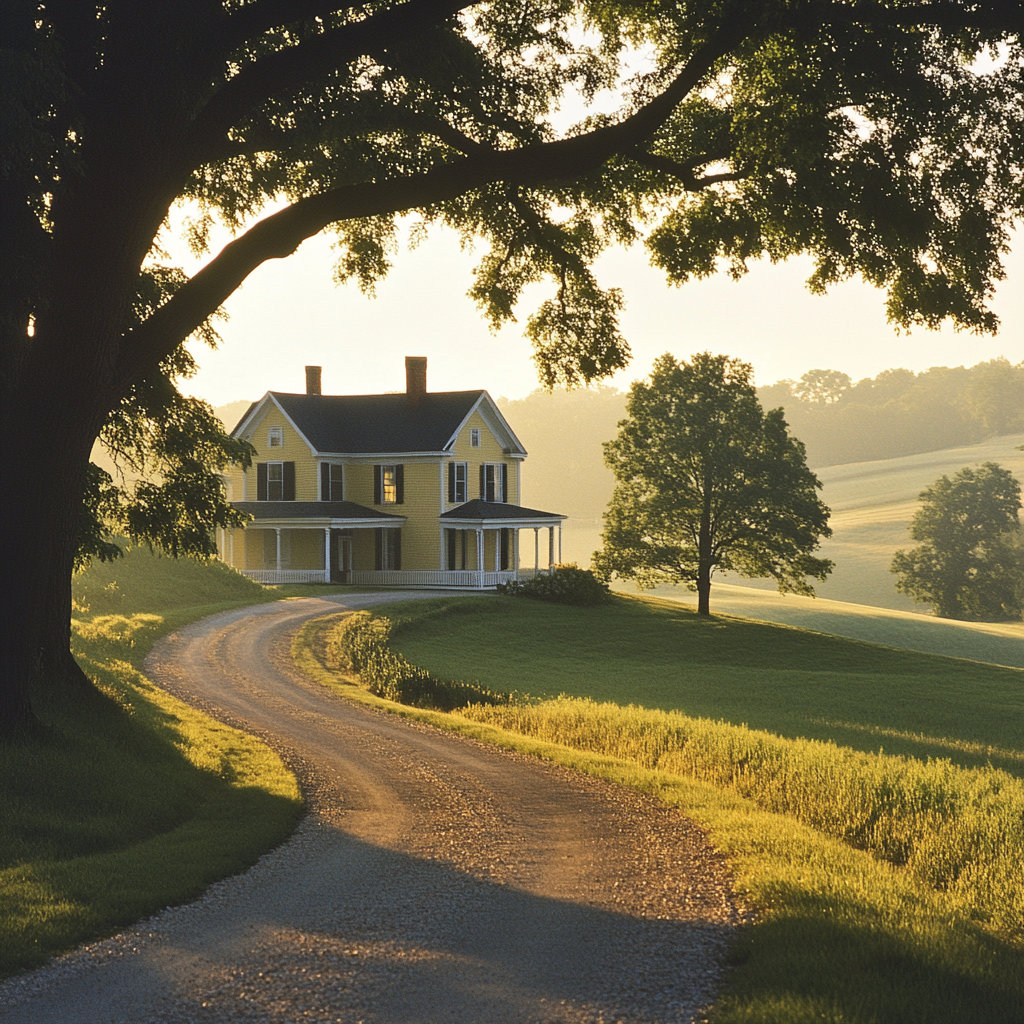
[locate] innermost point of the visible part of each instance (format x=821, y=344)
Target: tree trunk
x=704, y=553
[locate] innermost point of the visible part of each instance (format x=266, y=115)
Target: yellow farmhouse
x=413, y=490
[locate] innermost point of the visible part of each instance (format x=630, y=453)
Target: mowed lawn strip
x=131, y=800
x=791, y=681
x=840, y=935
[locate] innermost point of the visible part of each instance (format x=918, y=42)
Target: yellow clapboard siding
x=292, y=449
x=490, y=450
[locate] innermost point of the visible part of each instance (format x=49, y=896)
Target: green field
x=885, y=889
x=791, y=681
x=129, y=800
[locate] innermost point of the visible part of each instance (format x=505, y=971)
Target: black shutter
x=483, y=483
x=504, y=548
x=451, y=489
x=289, y=481
x=396, y=536
x=325, y=481
x=378, y=476
x=399, y=485
x=504, y=481
x=378, y=547
x=261, y=481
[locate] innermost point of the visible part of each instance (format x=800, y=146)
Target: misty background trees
x=893, y=414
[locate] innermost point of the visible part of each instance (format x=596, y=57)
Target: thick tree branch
x=252, y=20
x=281, y=233
x=308, y=60
x=684, y=171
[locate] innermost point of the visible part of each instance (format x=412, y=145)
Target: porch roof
x=499, y=514
x=316, y=513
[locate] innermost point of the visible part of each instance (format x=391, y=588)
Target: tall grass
x=959, y=830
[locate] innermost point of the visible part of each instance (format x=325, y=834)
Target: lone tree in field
x=970, y=562
x=866, y=134
x=706, y=480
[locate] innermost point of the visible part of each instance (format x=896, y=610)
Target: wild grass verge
x=130, y=800
x=844, y=933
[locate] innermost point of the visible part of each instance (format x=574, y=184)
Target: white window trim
x=332, y=465
x=275, y=437
x=474, y=437
x=281, y=481
x=496, y=466
x=465, y=483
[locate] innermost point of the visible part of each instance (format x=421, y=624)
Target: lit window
x=387, y=485
x=275, y=437
x=474, y=437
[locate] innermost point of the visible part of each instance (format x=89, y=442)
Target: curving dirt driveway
x=435, y=879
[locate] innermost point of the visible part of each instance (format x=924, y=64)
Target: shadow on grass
x=126, y=803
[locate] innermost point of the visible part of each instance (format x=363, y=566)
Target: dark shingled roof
x=480, y=509
x=310, y=510
x=366, y=424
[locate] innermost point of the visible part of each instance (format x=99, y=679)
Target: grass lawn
x=791, y=681
x=130, y=800
x=846, y=931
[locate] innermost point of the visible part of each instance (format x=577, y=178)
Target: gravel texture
x=434, y=879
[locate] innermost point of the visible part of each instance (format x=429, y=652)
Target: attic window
x=474, y=437
x=275, y=437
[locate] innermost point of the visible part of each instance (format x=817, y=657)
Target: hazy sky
x=289, y=313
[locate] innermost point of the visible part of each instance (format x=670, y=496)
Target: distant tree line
x=896, y=413
x=899, y=412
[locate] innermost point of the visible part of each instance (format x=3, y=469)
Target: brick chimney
x=313, y=380
x=415, y=379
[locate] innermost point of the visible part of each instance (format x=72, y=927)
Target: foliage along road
x=434, y=878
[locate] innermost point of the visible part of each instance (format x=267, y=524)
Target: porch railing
x=413, y=578
x=408, y=578
x=287, y=575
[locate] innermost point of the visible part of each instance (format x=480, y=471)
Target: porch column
x=551, y=548
x=480, y=555
x=515, y=552
x=327, y=554
x=559, y=543
x=277, y=530
x=536, y=550
x=497, y=550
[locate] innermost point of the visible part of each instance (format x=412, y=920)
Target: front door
x=341, y=557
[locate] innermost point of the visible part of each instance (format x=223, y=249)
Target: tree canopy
x=882, y=137
x=706, y=480
x=970, y=562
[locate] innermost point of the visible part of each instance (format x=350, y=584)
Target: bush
x=359, y=645
x=566, y=584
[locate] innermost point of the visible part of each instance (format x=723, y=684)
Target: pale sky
x=289, y=313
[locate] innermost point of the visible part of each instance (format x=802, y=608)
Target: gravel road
x=434, y=879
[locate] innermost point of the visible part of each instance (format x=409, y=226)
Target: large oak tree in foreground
x=863, y=133
x=705, y=479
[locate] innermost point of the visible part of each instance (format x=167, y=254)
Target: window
x=275, y=481
x=494, y=481
x=458, y=482
x=332, y=482
x=388, y=485
x=455, y=543
x=474, y=437
x=388, y=549
x=275, y=437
